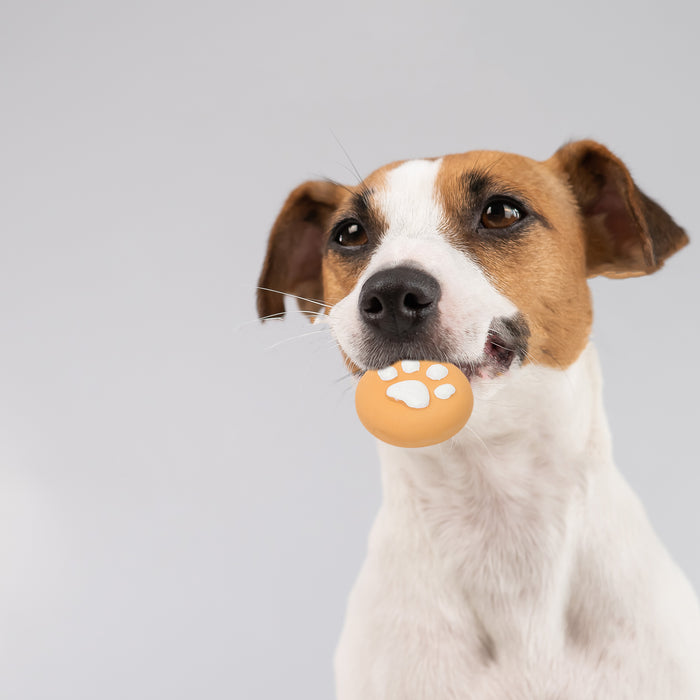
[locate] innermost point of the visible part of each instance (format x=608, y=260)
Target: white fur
x=512, y=561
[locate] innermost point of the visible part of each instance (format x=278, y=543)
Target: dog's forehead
x=434, y=187
x=504, y=169
x=508, y=167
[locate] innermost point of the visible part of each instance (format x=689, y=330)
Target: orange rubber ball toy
x=414, y=403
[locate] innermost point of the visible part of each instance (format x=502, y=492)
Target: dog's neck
x=497, y=504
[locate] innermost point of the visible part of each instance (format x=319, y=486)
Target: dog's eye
x=501, y=213
x=349, y=234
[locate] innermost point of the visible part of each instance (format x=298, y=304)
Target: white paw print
x=414, y=392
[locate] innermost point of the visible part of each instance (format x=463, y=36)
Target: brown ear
x=295, y=248
x=628, y=234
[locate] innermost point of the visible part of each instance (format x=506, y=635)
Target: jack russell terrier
x=512, y=561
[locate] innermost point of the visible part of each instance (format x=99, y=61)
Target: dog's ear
x=628, y=234
x=295, y=248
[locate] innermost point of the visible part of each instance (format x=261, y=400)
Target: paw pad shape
x=414, y=403
x=414, y=392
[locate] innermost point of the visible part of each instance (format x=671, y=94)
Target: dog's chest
x=416, y=629
x=414, y=633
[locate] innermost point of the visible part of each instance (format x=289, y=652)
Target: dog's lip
x=471, y=370
x=495, y=360
x=505, y=342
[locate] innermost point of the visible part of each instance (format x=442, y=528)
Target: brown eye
x=500, y=213
x=350, y=234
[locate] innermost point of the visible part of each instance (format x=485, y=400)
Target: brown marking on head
x=343, y=267
x=295, y=248
x=539, y=263
x=584, y=217
x=299, y=260
x=627, y=233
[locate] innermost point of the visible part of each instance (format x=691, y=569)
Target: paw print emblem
x=414, y=392
x=414, y=403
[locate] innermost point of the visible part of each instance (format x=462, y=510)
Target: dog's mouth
x=506, y=343
x=498, y=355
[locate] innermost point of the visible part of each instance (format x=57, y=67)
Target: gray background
x=185, y=495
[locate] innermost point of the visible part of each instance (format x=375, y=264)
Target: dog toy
x=414, y=403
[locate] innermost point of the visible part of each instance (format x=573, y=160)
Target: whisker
x=349, y=375
x=344, y=393
x=343, y=165
x=476, y=435
x=347, y=155
x=314, y=315
x=295, y=296
x=279, y=314
x=335, y=182
x=294, y=337
x=525, y=352
x=531, y=358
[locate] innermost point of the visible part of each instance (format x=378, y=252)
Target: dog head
x=480, y=259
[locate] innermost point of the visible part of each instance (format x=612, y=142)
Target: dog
x=512, y=561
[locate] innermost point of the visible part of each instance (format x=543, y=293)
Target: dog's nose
x=399, y=299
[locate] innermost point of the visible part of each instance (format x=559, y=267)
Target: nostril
x=373, y=306
x=411, y=301
x=399, y=300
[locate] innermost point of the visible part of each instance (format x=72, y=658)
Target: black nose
x=399, y=300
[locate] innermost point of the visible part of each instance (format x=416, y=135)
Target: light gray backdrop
x=185, y=495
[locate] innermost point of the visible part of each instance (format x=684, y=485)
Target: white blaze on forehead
x=416, y=222
x=408, y=201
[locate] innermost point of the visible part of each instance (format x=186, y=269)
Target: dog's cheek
x=465, y=318
x=340, y=275
x=470, y=302
x=340, y=282
x=346, y=328
x=545, y=278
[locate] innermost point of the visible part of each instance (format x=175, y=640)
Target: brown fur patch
x=540, y=267
x=295, y=248
x=341, y=270
x=627, y=233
